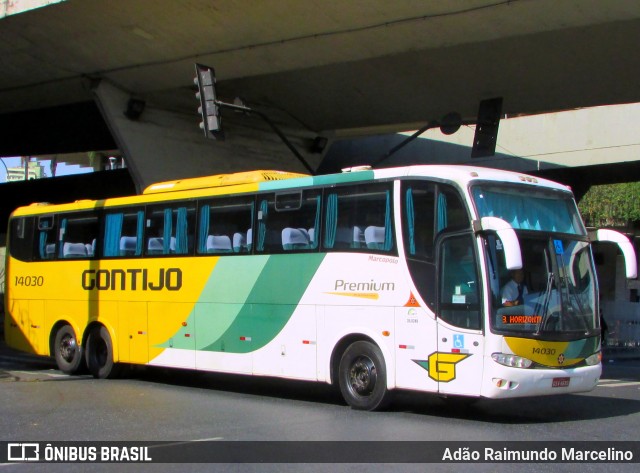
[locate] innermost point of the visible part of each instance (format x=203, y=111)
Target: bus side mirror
x=630, y=262
x=506, y=233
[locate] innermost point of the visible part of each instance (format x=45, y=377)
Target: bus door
x=458, y=362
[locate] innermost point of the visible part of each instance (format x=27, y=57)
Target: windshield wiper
x=545, y=304
x=574, y=309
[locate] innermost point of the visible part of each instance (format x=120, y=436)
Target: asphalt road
x=39, y=403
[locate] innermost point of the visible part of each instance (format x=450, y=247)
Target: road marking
x=186, y=442
x=42, y=372
x=617, y=383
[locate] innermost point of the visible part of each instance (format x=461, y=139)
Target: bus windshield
x=553, y=296
x=526, y=208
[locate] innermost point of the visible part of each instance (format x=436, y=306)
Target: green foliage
x=611, y=205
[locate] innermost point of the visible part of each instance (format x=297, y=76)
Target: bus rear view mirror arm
x=506, y=233
x=631, y=265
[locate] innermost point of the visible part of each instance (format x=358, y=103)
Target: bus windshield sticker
x=559, y=247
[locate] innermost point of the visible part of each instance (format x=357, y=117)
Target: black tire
x=99, y=354
x=67, y=351
x=362, y=377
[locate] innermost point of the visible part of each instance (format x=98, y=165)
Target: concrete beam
x=162, y=145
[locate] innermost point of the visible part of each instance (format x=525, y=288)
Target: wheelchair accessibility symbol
x=458, y=341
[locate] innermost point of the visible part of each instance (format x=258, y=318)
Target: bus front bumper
x=505, y=382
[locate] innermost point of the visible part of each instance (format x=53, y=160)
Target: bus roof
x=219, y=180
x=265, y=180
x=465, y=174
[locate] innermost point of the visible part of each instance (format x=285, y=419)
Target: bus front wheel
x=67, y=350
x=99, y=352
x=363, y=377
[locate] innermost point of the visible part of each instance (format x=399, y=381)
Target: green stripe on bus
x=247, y=301
x=317, y=180
x=271, y=303
x=582, y=348
x=220, y=302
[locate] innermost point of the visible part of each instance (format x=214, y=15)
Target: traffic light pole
x=404, y=143
x=242, y=108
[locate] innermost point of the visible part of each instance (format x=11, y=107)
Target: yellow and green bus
x=373, y=280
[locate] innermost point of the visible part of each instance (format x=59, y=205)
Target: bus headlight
x=511, y=360
x=593, y=359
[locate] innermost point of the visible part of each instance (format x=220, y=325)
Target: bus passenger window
x=225, y=225
x=46, y=238
x=170, y=230
x=77, y=236
x=288, y=222
x=359, y=218
x=123, y=233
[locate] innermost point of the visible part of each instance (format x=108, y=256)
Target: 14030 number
x=29, y=281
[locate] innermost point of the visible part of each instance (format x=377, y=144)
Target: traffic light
x=486, y=136
x=209, y=110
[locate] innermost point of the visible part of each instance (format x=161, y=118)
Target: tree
x=611, y=205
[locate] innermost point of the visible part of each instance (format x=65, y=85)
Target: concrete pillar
x=162, y=145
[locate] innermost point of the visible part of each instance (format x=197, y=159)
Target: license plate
x=560, y=382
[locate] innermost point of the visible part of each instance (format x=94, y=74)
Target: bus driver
x=514, y=291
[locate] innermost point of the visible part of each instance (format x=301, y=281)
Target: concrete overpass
x=335, y=69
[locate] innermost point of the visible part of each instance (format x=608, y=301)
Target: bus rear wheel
x=363, y=377
x=67, y=350
x=99, y=353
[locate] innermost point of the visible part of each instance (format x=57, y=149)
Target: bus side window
x=225, y=225
x=359, y=218
x=459, y=291
x=170, y=230
x=46, y=237
x=419, y=219
x=418, y=229
x=123, y=233
x=459, y=301
x=77, y=235
x=450, y=210
x=288, y=222
x=21, y=244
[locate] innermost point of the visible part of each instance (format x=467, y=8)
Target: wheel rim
x=363, y=376
x=68, y=348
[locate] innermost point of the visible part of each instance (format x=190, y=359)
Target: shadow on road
x=537, y=410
